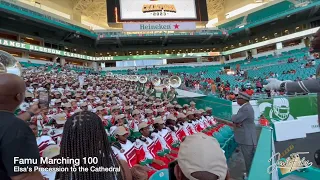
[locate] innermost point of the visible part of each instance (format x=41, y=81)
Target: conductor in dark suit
x=245, y=129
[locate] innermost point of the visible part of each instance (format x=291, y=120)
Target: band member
x=164, y=95
x=172, y=95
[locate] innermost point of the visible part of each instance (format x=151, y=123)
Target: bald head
x=12, y=90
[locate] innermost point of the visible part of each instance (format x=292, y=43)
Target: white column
x=254, y=52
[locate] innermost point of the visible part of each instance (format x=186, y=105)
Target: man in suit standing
x=245, y=129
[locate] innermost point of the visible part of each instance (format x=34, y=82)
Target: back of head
x=12, y=89
x=84, y=136
x=201, y=158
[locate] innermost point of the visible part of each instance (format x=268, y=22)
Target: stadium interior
x=206, y=50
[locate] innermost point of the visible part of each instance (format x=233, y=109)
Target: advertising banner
x=288, y=108
x=157, y=9
x=170, y=26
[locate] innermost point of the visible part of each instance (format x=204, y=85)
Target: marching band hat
x=142, y=125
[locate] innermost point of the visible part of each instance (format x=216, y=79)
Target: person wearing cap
x=58, y=121
x=67, y=109
x=123, y=148
x=209, y=116
x=172, y=127
x=182, y=130
x=185, y=108
x=43, y=141
x=149, y=116
x=150, y=147
x=151, y=91
x=52, y=152
x=164, y=95
x=192, y=106
x=172, y=95
x=198, y=123
x=84, y=106
x=190, y=123
x=200, y=157
x=27, y=101
x=245, y=129
x=133, y=124
x=56, y=108
x=41, y=119
x=158, y=133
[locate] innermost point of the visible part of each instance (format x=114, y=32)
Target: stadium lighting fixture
x=150, y=51
x=107, y=52
x=115, y=52
x=29, y=38
x=173, y=50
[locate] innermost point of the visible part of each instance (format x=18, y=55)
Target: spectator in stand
x=231, y=96
x=236, y=90
x=218, y=79
x=213, y=88
x=249, y=91
x=258, y=85
x=200, y=157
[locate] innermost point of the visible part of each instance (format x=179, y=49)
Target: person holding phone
x=16, y=138
x=200, y=157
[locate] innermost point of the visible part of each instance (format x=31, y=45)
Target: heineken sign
x=170, y=26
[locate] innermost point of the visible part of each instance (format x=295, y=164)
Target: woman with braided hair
x=83, y=137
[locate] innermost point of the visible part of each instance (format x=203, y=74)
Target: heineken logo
x=159, y=26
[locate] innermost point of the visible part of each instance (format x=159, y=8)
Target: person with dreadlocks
x=84, y=136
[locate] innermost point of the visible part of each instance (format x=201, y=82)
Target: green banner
x=288, y=108
x=221, y=108
x=31, y=47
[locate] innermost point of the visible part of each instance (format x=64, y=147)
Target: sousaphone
x=8, y=64
x=155, y=81
x=143, y=79
x=174, y=81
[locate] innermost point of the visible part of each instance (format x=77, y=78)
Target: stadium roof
x=93, y=13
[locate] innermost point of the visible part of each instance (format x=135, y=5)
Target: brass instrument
x=174, y=81
x=143, y=79
x=155, y=81
x=135, y=78
x=8, y=64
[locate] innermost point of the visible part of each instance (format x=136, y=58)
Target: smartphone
x=44, y=99
x=171, y=170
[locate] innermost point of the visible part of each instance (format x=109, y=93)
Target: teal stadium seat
x=160, y=175
x=231, y=24
x=269, y=11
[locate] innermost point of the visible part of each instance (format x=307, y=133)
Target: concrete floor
x=236, y=163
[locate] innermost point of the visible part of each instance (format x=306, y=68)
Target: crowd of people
x=89, y=115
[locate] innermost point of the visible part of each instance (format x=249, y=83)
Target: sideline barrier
x=262, y=155
x=221, y=108
x=283, y=108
